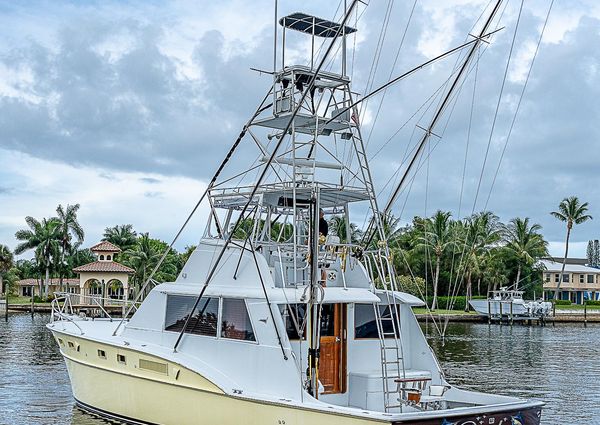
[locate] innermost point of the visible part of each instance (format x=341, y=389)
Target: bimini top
x=312, y=25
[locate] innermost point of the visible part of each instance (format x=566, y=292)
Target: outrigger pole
x=263, y=174
x=210, y=185
x=370, y=233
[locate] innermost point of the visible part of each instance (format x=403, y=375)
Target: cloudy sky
x=127, y=107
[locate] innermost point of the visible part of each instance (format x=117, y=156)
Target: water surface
x=559, y=365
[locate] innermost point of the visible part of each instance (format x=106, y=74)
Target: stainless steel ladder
x=389, y=329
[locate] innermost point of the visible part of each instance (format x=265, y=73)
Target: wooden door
x=332, y=361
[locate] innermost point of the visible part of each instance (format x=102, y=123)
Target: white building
x=578, y=282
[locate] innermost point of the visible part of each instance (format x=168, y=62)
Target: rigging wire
x=391, y=73
x=377, y=55
x=512, y=45
x=462, y=267
x=519, y=103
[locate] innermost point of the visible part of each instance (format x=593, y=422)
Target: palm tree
x=482, y=234
x=391, y=229
x=6, y=263
x=337, y=227
x=43, y=237
x=525, y=242
x=438, y=236
x=69, y=228
x=143, y=257
x=570, y=211
x=122, y=236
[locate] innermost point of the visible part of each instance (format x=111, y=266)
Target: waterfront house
x=579, y=282
x=104, y=277
x=31, y=287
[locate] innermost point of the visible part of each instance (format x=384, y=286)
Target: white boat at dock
x=508, y=304
x=282, y=323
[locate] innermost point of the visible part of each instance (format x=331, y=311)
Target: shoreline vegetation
x=441, y=259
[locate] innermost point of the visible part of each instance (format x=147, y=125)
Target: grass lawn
x=422, y=310
x=577, y=307
x=22, y=300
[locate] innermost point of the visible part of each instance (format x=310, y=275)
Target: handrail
x=62, y=305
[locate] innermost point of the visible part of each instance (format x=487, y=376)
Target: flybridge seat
x=366, y=391
x=314, y=26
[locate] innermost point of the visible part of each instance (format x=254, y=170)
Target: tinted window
x=365, y=325
x=203, y=321
x=328, y=320
x=235, y=323
x=294, y=318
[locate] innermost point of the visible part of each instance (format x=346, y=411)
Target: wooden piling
x=500, y=305
x=585, y=314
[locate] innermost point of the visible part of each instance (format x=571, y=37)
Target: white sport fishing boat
x=506, y=303
x=279, y=324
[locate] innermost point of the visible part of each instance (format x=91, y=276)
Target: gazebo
x=104, y=277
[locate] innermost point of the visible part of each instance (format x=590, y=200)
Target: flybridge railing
x=68, y=306
x=329, y=252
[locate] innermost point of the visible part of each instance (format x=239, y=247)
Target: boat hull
x=179, y=396
x=497, y=308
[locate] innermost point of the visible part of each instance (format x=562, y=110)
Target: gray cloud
x=136, y=112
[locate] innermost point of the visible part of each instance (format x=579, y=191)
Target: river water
x=560, y=365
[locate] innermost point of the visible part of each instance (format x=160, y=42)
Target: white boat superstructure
x=510, y=303
x=274, y=319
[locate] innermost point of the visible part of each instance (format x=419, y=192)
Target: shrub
x=457, y=303
x=562, y=302
x=592, y=302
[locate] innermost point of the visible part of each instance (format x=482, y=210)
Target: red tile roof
x=104, y=266
x=105, y=246
x=54, y=281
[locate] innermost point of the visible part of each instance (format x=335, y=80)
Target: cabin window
x=121, y=359
x=203, y=320
x=547, y=277
x=565, y=277
x=101, y=257
x=235, y=321
x=590, y=278
x=294, y=319
x=556, y=277
x=365, y=325
x=581, y=277
x=102, y=354
x=108, y=257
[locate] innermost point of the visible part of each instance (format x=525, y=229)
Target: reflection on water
x=559, y=365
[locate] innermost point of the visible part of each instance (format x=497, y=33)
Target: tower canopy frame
x=314, y=26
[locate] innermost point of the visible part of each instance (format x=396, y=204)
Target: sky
x=127, y=108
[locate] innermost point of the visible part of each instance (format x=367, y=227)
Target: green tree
x=144, y=257
x=337, y=227
x=6, y=263
x=437, y=237
x=570, y=211
x=121, y=235
x=43, y=237
x=482, y=233
x=525, y=242
x=68, y=229
x=186, y=254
